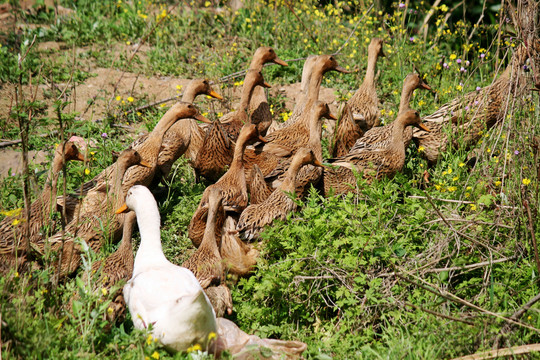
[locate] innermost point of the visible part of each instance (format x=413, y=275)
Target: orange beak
x=423, y=127
x=122, y=209
x=80, y=157
x=266, y=85
x=262, y=139
x=425, y=86
x=331, y=116
x=341, y=69
x=319, y=164
x=280, y=62
x=215, y=95
x=145, y=164
x=202, y=118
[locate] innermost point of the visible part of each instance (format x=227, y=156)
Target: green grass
x=354, y=277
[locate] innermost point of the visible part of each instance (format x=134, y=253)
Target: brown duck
x=309, y=173
x=278, y=204
x=232, y=185
x=258, y=106
x=238, y=257
x=185, y=135
x=217, y=150
x=206, y=263
x=477, y=111
x=380, y=136
x=96, y=212
x=297, y=132
x=361, y=112
x=12, y=230
x=371, y=162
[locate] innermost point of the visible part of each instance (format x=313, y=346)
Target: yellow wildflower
x=16, y=222
x=130, y=99
x=497, y=183
x=526, y=181
x=449, y=170
x=421, y=148
x=104, y=291
x=110, y=310
x=86, y=171
x=16, y=274
x=155, y=355
x=149, y=340
x=118, y=98
x=453, y=56
x=212, y=335
x=473, y=207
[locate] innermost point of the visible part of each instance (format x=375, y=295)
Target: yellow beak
x=122, y=209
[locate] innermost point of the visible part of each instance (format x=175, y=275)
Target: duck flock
x=257, y=167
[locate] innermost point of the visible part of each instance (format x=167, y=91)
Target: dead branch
x=492, y=354
x=462, y=267
x=439, y=314
x=454, y=298
x=533, y=236
x=471, y=239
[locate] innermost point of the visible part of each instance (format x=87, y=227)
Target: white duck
x=162, y=294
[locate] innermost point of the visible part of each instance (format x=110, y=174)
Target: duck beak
x=332, y=116
x=215, y=95
x=122, y=209
x=341, y=69
x=319, y=164
x=423, y=127
x=280, y=62
x=146, y=164
x=425, y=86
x=80, y=157
x=261, y=139
x=266, y=85
x=202, y=118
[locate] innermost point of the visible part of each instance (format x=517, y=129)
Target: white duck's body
x=163, y=294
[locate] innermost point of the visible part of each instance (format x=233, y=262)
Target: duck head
x=306, y=156
x=265, y=54
x=131, y=157
x=329, y=63
x=249, y=134
x=183, y=110
x=376, y=47
x=71, y=152
x=414, y=81
x=412, y=117
x=323, y=111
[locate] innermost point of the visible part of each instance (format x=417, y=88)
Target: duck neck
x=155, y=138
x=314, y=86
x=209, y=239
x=315, y=134
x=397, y=136
x=289, y=184
x=189, y=95
x=239, y=149
x=369, y=80
x=50, y=188
x=150, y=249
x=256, y=64
x=125, y=247
x=406, y=94
x=117, y=193
x=247, y=93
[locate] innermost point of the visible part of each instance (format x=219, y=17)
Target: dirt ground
x=97, y=96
